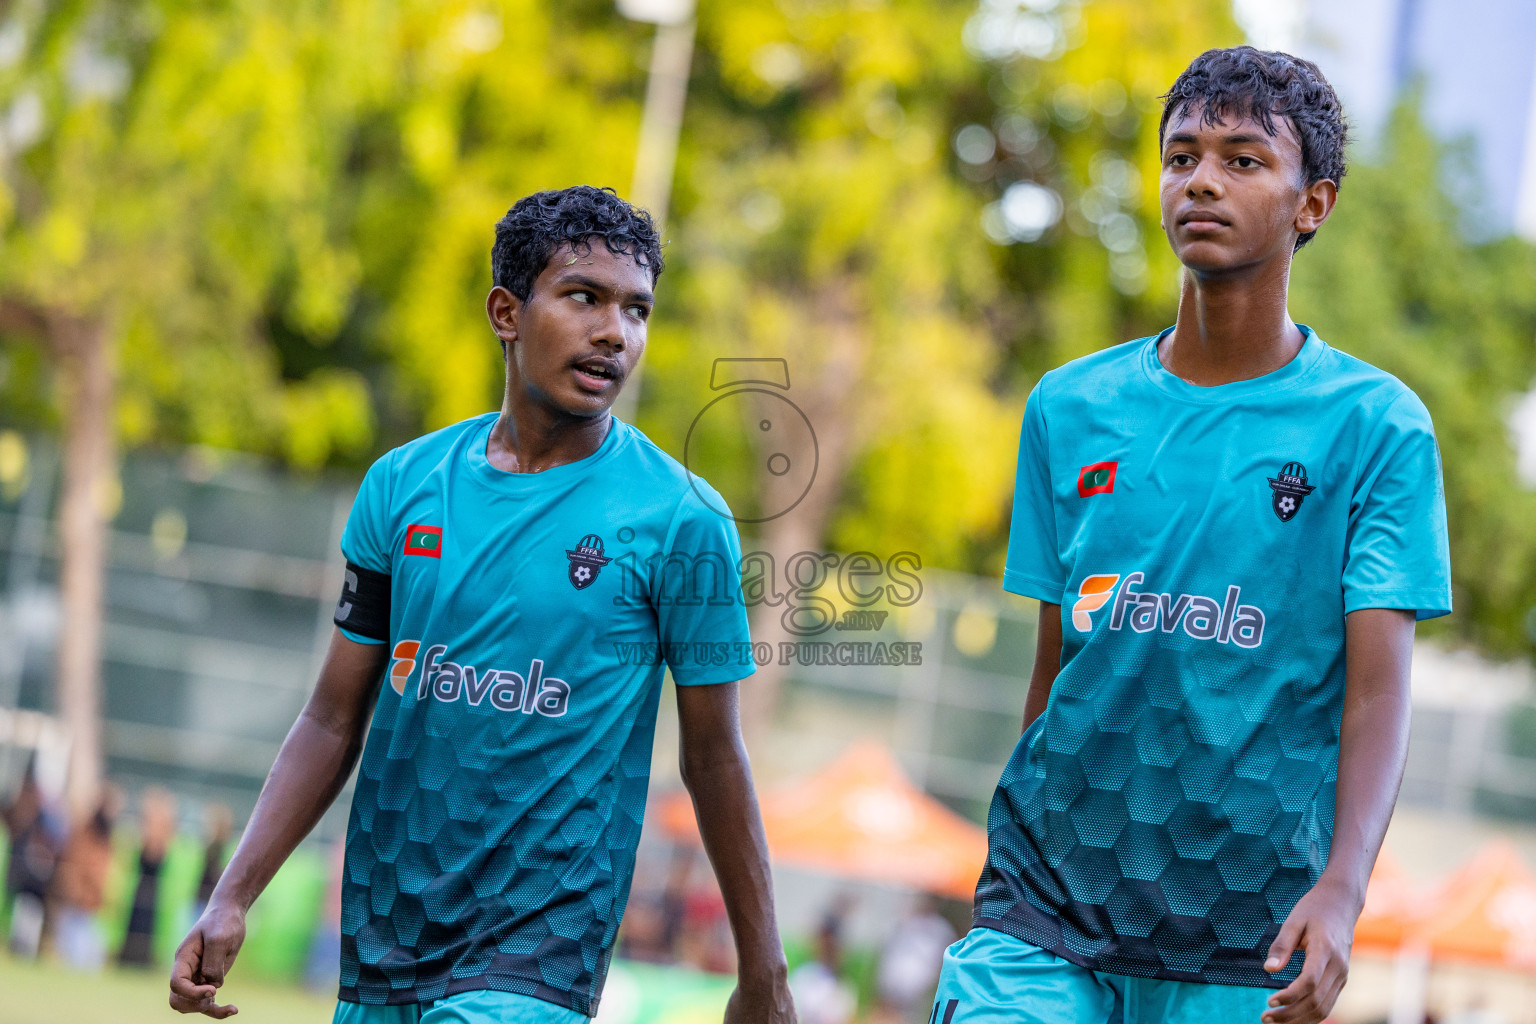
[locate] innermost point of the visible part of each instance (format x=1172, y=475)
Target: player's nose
x=1204, y=180
x=611, y=330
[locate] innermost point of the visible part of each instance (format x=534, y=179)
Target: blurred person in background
x=673, y=905
x=702, y=935
x=492, y=566
x=655, y=921
x=157, y=829
x=822, y=995
x=219, y=822
x=910, y=961
x=34, y=834
x=1231, y=528
x=80, y=885
x=642, y=937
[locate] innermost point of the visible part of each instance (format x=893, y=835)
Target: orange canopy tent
x=861, y=817
x=1392, y=908
x=1486, y=912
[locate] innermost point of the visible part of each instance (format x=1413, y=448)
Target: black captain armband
x=364, y=604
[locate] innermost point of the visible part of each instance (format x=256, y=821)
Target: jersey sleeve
x=367, y=540
x=1397, y=553
x=1034, y=564
x=701, y=615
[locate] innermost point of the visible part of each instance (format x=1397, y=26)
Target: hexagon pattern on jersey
x=466, y=874
x=1154, y=826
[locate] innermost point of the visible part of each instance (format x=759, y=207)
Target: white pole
x=661, y=125
x=665, y=93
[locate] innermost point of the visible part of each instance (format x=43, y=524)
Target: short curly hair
x=540, y=224
x=1263, y=85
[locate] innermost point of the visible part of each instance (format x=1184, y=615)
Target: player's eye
x=1246, y=162
x=585, y=297
x=1180, y=159
x=639, y=312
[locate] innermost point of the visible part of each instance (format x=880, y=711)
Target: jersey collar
x=616, y=438
x=1286, y=377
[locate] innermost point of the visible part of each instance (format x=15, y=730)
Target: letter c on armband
x=364, y=605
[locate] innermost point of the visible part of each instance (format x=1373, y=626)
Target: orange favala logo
x=1094, y=593
x=405, y=664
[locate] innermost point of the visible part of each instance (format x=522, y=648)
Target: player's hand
x=773, y=1005
x=1323, y=924
x=204, y=958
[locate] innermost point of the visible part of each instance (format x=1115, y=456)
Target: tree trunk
x=821, y=388
x=85, y=363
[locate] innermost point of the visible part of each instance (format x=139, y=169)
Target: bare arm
x=1047, y=662
x=718, y=777
x=1373, y=746
x=312, y=766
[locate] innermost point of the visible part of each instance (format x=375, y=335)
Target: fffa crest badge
x=586, y=561
x=1289, y=488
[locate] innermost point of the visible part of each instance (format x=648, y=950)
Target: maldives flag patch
x=424, y=540
x=1098, y=478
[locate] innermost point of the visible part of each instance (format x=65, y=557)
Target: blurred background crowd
x=244, y=250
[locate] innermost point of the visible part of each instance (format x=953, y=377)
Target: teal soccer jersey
x=499, y=799
x=1176, y=798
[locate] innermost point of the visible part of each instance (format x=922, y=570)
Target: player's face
x=1233, y=195
x=573, y=343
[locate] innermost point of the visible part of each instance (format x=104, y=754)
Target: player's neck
x=529, y=438
x=1232, y=328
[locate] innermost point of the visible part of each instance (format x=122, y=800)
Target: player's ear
x=504, y=310
x=1316, y=204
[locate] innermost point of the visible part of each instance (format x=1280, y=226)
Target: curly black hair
x=540, y=224
x=1263, y=85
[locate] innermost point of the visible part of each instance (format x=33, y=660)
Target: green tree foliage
x=283, y=211
x=817, y=220
x=1393, y=279
x=1068, y=142
x=483, y=103
x=168, y=176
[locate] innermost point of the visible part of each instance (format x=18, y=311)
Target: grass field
x=49, y=994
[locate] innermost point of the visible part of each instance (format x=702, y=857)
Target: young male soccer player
x=1231, y=528
x=492, y=572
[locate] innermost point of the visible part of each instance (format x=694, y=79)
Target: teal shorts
x=993, y=978
x=484, y=1007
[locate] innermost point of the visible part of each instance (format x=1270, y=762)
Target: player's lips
x=596, y=374
x=1203, y=220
